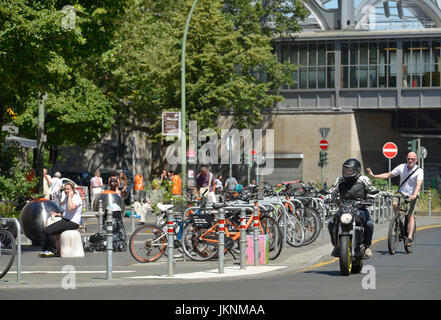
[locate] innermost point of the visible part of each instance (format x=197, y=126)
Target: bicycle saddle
x=164, y=207
x=219, y=205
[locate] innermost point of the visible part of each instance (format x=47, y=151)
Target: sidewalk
x=91, y=270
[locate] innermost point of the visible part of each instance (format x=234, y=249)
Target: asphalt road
x=402, y=276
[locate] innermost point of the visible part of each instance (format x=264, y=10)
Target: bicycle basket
x=202, y=221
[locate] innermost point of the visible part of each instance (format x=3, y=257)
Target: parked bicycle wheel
x=195, y=248
x=312, y=225
x=8, y=251
x=295, y=233
x=393, y=235
x=272, y=229
x=148, y=243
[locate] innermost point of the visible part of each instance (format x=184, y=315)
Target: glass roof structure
x=372, y=14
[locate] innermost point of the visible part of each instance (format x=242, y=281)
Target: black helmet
x=351, y=169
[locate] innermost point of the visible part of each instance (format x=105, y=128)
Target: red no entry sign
x=324, y=144
x=390, y=150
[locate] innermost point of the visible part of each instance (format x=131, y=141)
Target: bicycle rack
x=18, y=240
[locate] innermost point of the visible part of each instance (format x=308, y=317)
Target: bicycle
x=398, y=226
x=148, y=242
x=8, y=250
x=203, y=239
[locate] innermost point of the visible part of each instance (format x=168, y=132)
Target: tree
x=41, y=53
x=231, y=67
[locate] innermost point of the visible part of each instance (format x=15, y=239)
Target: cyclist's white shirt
x=403, y=171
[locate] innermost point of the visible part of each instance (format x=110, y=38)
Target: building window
x=421, y=63
x=368, y=64
x=316, y=62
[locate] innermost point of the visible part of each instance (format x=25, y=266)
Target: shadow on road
x=333, y=273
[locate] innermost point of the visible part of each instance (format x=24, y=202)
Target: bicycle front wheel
x=393, y=236
x=271, y=228
x=198, y=249
x=295, y=233
x=312, y=223
x=8, y=250
x=148, y=243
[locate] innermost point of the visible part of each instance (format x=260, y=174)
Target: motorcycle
x=349, y=235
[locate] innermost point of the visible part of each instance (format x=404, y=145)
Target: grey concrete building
x=368, y=70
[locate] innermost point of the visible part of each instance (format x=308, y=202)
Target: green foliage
x=225, y=59
x=77, y=116
x=14, y=187
x=39, y=54
x=423, y=203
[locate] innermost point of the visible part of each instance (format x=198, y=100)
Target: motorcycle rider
x=353, y=186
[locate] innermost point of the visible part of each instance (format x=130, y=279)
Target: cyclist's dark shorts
x=412, y=205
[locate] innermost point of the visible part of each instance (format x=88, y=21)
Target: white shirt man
x=55, y=187
x=410, y=188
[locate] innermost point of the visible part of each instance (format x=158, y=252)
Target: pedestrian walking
x=205, y=182
x=96, y=185
x=230, y=184
x=56, y=185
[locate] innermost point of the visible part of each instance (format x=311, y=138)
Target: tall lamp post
x=183, y=128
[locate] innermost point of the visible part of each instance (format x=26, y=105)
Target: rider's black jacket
x=357, y=188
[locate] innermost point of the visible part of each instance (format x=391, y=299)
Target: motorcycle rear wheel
x=345, y=255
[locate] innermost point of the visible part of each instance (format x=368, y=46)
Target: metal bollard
x=243, y=239
x=170, y=245
x=221, y=246
x=430, y=205
x=100, y=215
x=132, y=211
x=256, y=235
x=17, y=224
x=109, y=247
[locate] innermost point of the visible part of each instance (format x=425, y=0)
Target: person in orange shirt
x=176, y=184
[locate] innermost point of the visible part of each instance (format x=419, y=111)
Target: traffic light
x=412, y=145
x=323, y=158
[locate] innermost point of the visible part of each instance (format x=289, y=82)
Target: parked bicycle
x=200, y=240
x=8, y=249
x=398, y=226
x=149, y=241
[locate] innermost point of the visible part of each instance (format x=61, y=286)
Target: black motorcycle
x=349, y=234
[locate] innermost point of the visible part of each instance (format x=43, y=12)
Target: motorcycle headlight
x=346, y=218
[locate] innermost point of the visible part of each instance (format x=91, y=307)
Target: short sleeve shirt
x=74, y=215
x=231, y=183
x=403, y=171
x=55, y=185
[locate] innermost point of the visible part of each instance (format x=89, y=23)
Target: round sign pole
x=390, y=151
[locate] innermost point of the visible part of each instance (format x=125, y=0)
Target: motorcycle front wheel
x=345, y=255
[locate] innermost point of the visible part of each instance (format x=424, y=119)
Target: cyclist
x=411, y=179
x=352, y=185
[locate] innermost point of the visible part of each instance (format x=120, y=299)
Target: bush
x=423, y=203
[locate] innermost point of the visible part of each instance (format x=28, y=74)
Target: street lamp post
x=183, y=128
